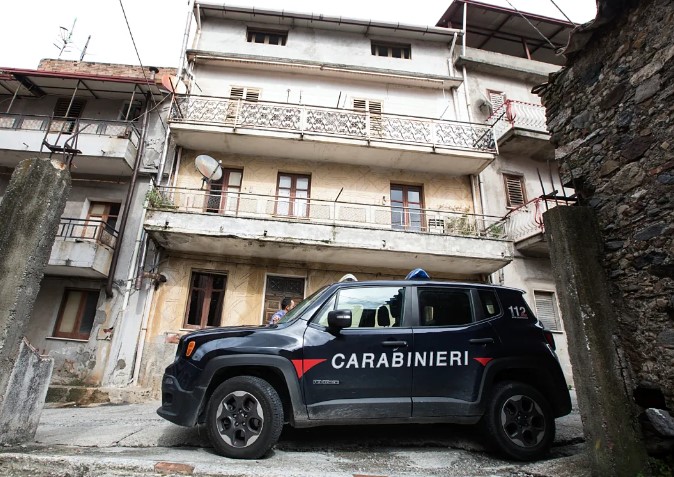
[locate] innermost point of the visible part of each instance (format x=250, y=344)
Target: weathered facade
x=610, y=115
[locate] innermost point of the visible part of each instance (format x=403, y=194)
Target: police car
x=379, y=352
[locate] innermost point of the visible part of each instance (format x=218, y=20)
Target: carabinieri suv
x=375, y=352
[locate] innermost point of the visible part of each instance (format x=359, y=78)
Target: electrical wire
x=142, y=68
x=562, y=12
x=527, y=20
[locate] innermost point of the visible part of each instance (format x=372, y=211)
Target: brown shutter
x=514, y=191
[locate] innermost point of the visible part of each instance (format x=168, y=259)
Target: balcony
x=263, y=128
x=83, y=248
x=521, y=129
x=318, y=231
x=107, y=147
x=525, y=226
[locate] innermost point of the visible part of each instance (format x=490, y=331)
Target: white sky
x=31, y=29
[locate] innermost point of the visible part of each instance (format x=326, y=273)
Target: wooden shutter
x=374, y=108
x=514, y=190
x=546, y=310
x=496, y=98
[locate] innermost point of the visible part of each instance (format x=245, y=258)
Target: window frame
x=377, y=46
x=292, y=197
x=268, y=34
x=203, y=322
x=405, y=188
x=520, y=179
x=224, y=192
x=75, y=335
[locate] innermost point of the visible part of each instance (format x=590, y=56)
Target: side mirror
x=338, y=319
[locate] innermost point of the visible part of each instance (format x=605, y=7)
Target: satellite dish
x=173, y=85
x=208, y=167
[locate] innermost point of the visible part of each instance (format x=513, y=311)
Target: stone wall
x=610, y=116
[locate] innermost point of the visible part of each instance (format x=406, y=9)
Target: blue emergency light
x=418, y=274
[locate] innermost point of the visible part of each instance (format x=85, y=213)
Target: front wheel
x=519, y=421
x=244, y=417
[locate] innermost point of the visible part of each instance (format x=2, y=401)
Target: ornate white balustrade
x=518, y=115
x=339, y=123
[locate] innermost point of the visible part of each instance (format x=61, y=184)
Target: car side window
x=490, y=304
x=371, y=307
x=444, y=307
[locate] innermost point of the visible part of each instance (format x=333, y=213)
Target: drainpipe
x=128, y=199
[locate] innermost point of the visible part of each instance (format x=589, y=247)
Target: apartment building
x=342, y=147
x=503, y=56
x=108, y=117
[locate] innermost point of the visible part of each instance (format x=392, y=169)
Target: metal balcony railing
x=29, y=122
x=87, y=229
x=332, y=122
x=527, y=220
x=315, y=211
x=518, y=114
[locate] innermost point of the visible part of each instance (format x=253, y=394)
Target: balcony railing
x=28, y=122
x=527, y=220
x=87, y=229
x=520, y=115
x=332, y=122
x=347, y=214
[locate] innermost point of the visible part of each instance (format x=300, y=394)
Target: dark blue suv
x=376, y=352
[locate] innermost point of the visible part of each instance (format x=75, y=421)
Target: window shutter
x=545, y=310
x=514, y=191
x=496, y=98
x=374, y=107
x=360, y=104
x=76, y=107
x=252, y=94
x=236, y=92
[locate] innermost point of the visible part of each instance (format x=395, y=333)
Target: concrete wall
x=609, y=115
x=325, y=46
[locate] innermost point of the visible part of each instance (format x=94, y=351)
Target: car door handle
x=394, y=344
x=481, y=341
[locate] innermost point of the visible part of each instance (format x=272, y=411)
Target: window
x=490, y=304
x=278, y=288
x=407, y=207
x=223, y=194
x=444, y=307
x=515, y=194
x=67, y=108
x=76, y=314
x=292, y=195
x=237, y=95
x=268, y=37
x=131, y=111
x=391, y=50
x=546, y=311
x=102, y=222
x=496, y=99
x=374, y=108
x=207, y=295
x=371, y=307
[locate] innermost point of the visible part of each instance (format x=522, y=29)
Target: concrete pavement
x=132, y=440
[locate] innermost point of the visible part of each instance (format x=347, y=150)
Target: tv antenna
x=65, y=41
x=209, y=168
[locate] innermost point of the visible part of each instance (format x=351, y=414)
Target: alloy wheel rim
x=239, y=419
x=523, y=421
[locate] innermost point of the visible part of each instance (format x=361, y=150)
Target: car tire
x=518, y=421
x=244, y=417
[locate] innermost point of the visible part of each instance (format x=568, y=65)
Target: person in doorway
x=287, y=304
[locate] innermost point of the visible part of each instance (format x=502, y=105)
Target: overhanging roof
x=505, y=31
x=37, y=83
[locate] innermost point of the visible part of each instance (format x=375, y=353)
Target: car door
x=359, y=372
x=453, y=342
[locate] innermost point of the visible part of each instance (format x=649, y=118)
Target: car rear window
x=490, y=304
x=444, y=307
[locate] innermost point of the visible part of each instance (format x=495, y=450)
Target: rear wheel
x=244, y=417
x=519, y=421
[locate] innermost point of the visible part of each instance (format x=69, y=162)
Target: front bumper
x=178, y=405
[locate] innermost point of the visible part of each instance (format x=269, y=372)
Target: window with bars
x=223, y=194
x=267, y=37
x=293, y=195
x=515, y=193
x=76, y=314
x=546, y=310
x=391, y=50
x=206, y=300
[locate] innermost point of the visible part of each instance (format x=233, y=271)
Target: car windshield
x=303, y=305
